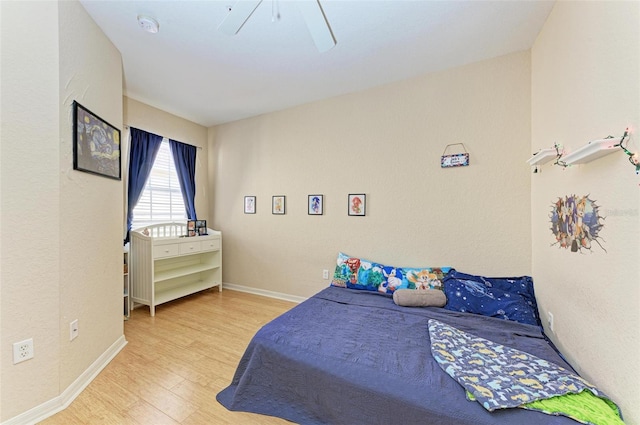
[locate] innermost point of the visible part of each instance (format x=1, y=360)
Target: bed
x=352, y=356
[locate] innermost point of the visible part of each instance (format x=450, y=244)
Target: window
x=161, y=201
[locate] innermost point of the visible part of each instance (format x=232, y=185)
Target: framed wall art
x=357, y=204
x=316, y=205
x=96, y=144
x=249, y=204
x=278, y=204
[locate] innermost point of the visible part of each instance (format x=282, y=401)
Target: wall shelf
x=592, y=150
x=542, y=157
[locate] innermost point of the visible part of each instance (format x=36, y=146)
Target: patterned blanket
x=500, y=377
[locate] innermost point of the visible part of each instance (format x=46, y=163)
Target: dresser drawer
x=211, y=244
x=166, y=250
x=190, y=247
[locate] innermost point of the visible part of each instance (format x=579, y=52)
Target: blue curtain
x=143, y=151
x=184, y=158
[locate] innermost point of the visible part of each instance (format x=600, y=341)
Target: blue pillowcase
x=522, y=285
x=510, y=298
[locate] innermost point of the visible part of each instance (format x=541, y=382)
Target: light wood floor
x=175, y=363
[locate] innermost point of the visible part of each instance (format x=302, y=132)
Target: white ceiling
x=192, y=70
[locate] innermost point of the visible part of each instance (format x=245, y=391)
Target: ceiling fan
x=311, y=12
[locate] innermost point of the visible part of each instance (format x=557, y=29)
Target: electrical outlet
x=550, y=320
x=325, y=274
x=22, y=350
x=73, y=330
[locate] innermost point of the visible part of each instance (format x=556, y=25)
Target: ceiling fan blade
x=317, y=23
x=238, y=15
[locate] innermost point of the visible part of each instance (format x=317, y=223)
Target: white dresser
x=165, y=265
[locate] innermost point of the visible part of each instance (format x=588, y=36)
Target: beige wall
x=61, y=247
x=30, y=273
x=90, y=206
x=385, y=142
x=145, y=117
x=585, y=86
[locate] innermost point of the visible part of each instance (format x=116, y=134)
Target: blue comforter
x=354, y=357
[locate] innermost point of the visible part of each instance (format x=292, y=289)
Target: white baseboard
x=62, y=401
x=263, y=292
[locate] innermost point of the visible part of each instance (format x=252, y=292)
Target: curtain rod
x=127, y=128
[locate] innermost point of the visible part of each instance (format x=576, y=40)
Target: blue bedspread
x=354, y=357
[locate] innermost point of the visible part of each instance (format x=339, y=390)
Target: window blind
x=161, y=200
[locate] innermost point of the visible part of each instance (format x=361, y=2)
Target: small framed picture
x=357, y=204
x=316, y=204
x=249, y=204
x=191, y=225
x=278, y=204
x=201, y=227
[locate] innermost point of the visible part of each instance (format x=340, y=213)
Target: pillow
x=471, y=296
x=358, y=273
x=522, y=285
x=421, y=298
x=391, y=277
x=425, y=278
x=354, y=273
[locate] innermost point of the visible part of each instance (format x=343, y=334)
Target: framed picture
x=96, y=144
x=191, y=225
x=201, y=227
x=249, y=204
x=357, y=204
x=316, y=204
x=278, y=204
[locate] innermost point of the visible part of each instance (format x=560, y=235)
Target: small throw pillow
x=419, y=298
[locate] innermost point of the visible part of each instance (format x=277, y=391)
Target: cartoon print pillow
x=343, y=272
x=391, y=277
x=425, y=278
x=354, y=273
x=358, y=273
x=395, y=278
